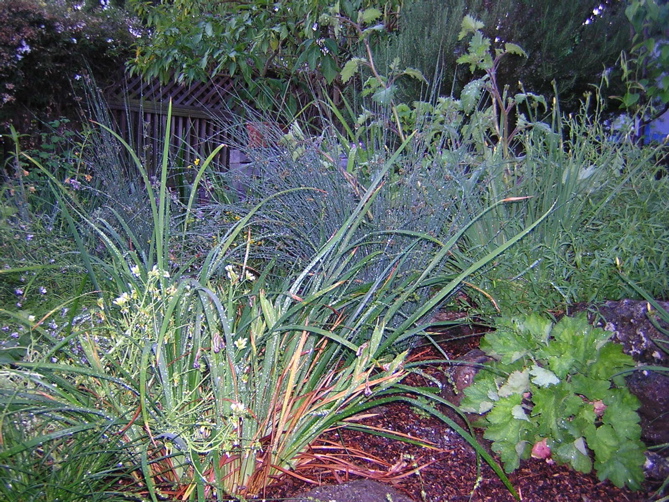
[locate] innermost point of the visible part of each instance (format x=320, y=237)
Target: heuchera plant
x=555, y=391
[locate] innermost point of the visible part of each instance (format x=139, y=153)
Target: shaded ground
x=448, y=470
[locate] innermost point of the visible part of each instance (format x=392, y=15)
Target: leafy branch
x=382, y=88
x=481, y=56
x=645, y=68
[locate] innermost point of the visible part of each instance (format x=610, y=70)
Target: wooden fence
x=140, y=110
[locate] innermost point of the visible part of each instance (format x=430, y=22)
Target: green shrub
x=557, y=391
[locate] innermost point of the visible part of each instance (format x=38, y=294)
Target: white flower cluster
x=234, y=276
x=238, y=408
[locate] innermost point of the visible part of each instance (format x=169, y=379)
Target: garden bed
x=446, y=471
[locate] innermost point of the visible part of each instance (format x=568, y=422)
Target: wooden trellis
x=140, y=109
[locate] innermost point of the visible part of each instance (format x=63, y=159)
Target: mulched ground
x=445, y=472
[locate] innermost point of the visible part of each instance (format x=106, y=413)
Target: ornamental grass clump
x=210, y=382
x=422, y=200
x=557, y=391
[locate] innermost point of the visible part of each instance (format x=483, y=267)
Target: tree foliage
x=309, y=41
x=265, y=43
x=646, y=68
x=568, y=42
x=45, y=46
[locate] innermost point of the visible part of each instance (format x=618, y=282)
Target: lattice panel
x=208, y=95
x=140, y=111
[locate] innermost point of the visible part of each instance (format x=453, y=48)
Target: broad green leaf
x=508, y=429
x=369, y=15
x=571, y=329
x=469, y=25
x=329, y=69
x=385, y=95
x=575, y=454
x=611, y=360
x=518, y=412
x=511, y=434
x=630, y=99
x=304, y=52
x=517, y=383
x=604, y=443
x=514, y=49
x=625, y=468
x=560, y=358
x=481, y=396
x=509, y=453
x=471, y=94
x=543, y=377
x=620, y=413
x=502, y=412
x=593, y=389
x=507, y=346
x=414, y=73
x=537, y=326
x=350, y=69
x=313, y=56
x=552, y=406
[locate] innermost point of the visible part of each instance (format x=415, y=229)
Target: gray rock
x=652, y=390
x=629, y=323
x=363, y=490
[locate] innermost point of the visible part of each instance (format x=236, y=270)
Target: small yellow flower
x=197, y=162
x=241, y=343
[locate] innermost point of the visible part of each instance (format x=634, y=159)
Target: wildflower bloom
x=122, y=301
x=217, y=343
x=237, y=408
x=73, y=183
x=156, y=272
x=232, y=275
x=241, y=343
